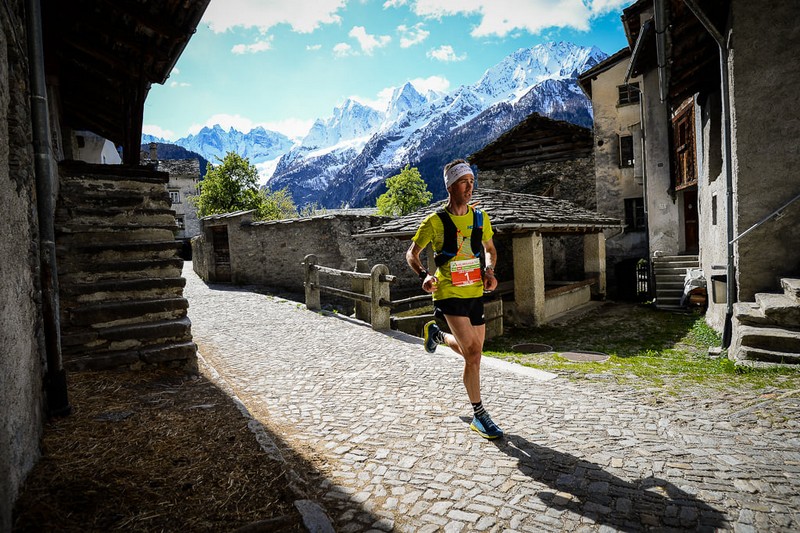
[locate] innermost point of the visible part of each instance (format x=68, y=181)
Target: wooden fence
x=369, y=288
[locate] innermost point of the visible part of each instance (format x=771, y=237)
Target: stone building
x=721, y=117
x=544, y=157
x=184, y=177
x=619, y=165
x=234, y=248
x=63, y=90
x=522, y=224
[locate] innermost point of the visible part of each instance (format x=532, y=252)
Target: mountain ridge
x=345, y=158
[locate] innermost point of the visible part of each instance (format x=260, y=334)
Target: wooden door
x=690, y=222
x=222, y=255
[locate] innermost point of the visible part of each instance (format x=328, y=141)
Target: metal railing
x=775, y=214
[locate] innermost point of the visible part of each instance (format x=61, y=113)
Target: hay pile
x=154, y=450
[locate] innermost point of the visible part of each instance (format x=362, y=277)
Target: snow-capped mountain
x=427, y=131
x=346, y=158
x=258, y=145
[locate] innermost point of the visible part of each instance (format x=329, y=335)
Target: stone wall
x=269, y=254
x=571, y=180
x=766, y=125
x=21, y=338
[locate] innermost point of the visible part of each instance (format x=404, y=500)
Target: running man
x=460, y=235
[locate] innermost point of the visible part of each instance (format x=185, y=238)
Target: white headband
x=455, y=172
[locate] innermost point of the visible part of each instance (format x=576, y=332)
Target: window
x=683, y=147
x=175, y=196
x=180, y=223
x=628, y=94
x=635, y=219
x=714, y=210
x=625, y=151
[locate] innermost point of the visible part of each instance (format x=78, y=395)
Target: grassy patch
x=647, y=348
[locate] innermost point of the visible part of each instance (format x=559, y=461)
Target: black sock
x=478, y=408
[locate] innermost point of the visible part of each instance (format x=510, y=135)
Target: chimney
x=153, y=152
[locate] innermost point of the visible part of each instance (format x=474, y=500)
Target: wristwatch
x=423, y=274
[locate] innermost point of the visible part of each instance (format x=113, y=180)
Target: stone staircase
x=767, y=332
x=119, y=272
x=669, y=272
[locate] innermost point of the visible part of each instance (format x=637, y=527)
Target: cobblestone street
x=387, y=424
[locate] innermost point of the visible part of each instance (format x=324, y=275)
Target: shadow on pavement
x=585, y=488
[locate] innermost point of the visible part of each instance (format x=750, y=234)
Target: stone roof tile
x=510, y=213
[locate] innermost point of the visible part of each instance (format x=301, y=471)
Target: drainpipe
x=660, y=17
x=55, y=380
x=728, y=144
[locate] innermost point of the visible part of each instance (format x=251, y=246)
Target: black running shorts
x=471, y=307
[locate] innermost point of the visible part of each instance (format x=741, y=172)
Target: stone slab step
x=767, y=338
x=91, y=253
x=113, y=290
x=127, y=337
x=127, y=247
x=780, y=308
x=179, y=354
x=127, y=312
x=764, y=365
x=92, y=265
x=119, y=226
x=155, y=269
x=101, y=236
x=746, y=353
x=109, y=214
x=750, y=314
x=77, y=198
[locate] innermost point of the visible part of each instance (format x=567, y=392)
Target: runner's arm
x=489, y=281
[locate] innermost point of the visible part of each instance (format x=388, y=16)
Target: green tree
x=276, y=205
x=232, y=185
x=406, y=193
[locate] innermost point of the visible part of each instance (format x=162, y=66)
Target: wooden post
x=380, y=315
x=312, y=283
x=364, y=287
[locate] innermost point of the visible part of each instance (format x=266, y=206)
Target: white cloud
x=501, y=17
x=601, y=7
x=413, y=35
x=157, y=131
x=446, y=53
x=313, y=47
x=179, y=84
x=258, y=46
x=175, y=72
x=394, y=3
x=342, y=50
x=368, y=42
x=303, y=16
x=432, y=83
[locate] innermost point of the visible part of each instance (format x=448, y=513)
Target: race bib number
x=465, y=272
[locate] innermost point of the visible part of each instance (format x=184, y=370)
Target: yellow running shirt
x=432, y=230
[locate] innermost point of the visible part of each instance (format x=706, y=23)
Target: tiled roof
x=510, y=213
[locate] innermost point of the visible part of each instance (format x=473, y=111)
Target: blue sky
x=282, y=64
